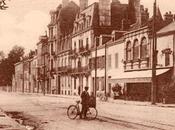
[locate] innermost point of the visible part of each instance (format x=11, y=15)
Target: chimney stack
x=65, y=2
x=135, y=11
x=168, y=17
x=83, y=4
x=105, y=12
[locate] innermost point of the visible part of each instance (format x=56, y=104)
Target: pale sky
x=25, y=20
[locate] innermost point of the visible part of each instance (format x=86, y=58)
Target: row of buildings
x=102, y=45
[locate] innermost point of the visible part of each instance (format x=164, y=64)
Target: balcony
x=63, y=70
x=73, y=54
x=84, y=51
x=137, y=64
x=80, y=71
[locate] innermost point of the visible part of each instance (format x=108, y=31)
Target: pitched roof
x=167, y=29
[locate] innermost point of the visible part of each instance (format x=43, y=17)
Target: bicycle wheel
x=105, y=98
x=92, y=113
x=72, y=112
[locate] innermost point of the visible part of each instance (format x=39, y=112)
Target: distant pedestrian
x=85, y=102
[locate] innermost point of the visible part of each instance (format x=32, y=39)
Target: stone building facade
x=109, y=41
x=43, y=65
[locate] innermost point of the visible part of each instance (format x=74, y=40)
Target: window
x=92, y=63
x=51, y=64
x=109, y=61
x=62, y=63
x=74, y=45
x=97, y=84
x=116, y=60
x=80, y=43
x=128, y=51
x=136, y=50
x=167, y=59
x=86, y=60
x=79, y=63
x=74, y=83
x=87, y=43
x=51, y=47
x=103, y=62
x=75, y=65
x=144, y=48
x=97, y=41
x=102, y=84
x=65, y=64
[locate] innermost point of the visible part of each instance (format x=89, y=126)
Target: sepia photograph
x=87, y=65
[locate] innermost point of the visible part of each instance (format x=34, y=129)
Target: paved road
x=50, y=114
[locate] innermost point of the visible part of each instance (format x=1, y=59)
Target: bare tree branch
x=3, y=5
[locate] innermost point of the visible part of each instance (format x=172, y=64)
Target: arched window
x=128, y=51
x=136, y=50
x=144, y=48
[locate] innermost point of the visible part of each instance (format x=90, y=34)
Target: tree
x=2, y=55
x=7, y=68
x=3, y=5
x=16, y=54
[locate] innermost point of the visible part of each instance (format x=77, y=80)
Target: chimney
x=65, y=2
x=168, y=17
x=83, y=4
x=104, y=12
x=135, y=11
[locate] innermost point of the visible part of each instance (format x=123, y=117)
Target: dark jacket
x=85, y=98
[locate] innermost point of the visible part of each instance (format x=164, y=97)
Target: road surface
x=49, y=113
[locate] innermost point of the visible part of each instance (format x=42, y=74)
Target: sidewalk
x=110, y=100
x=7, y=123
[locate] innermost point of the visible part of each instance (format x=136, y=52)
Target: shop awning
x=135, y=76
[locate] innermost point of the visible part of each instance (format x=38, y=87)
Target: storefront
x=137, y=84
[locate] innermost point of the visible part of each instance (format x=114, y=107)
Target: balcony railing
x=80, y=70
x=137, y=64
x=84, y=51
x=73, y=53
x=63, y=69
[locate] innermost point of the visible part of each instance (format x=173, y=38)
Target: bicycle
x=74, y=110
x=103, y=98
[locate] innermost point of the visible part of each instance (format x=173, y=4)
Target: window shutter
x=116, y=60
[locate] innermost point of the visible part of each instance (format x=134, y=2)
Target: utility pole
x=105, y=67
x=154, y=58
x=44, y=74
x=23, y=75
x=95, y=86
